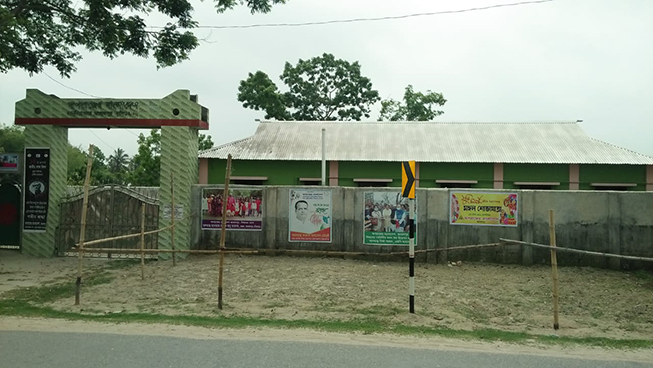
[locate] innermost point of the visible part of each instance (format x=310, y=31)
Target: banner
x=8, y=162
x=483, y=208
x=37, y=189
x=244, y=208
x=386, y=219
x=309, y=219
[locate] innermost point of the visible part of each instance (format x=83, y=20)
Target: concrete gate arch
x=47, y=119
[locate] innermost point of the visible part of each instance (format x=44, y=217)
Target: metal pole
x=223, y=233
x=323, y=157
x=411, y=253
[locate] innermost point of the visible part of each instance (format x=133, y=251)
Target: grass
x=368, y=325
x=29, y=302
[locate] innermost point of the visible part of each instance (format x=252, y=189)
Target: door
x=9, y=215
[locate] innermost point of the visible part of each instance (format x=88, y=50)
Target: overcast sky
x=558, y=61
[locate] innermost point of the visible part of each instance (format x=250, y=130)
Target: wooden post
x=554, y=269
x=143, y=241
x=172, y=218
x=223, y=233
x=82, y=230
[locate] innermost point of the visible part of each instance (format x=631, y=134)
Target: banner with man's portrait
x=309, y=219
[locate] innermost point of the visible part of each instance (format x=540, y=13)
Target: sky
x=563, y=60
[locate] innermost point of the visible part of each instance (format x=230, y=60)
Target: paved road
x=82, y=350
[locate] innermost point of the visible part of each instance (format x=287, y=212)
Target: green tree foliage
x=321, y=88
x=145, y=167
x=12, y=139
x=77, y=160
x=118, y=163
x=38, y=33
x=205, y=142
x=416, y=106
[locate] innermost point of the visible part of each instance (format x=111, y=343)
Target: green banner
x=385, y=216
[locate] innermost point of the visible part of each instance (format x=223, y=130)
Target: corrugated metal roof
x=561, y=142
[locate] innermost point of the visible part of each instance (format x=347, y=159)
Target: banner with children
x=483, y=208
x=386, y=219
x=243, y=206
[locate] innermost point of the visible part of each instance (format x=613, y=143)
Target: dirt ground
x=598, y=303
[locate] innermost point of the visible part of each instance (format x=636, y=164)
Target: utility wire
x=375, y=19
x=89, y=95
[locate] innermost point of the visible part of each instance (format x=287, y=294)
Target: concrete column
x=614, y=229
x=416, y=174
x=42, y=244
x=498, y=175
x=204, y=171
x=333, y=173
x=179, y=149
x=574, y=177
x=649, y=178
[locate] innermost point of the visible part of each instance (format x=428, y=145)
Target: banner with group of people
x=243, y=206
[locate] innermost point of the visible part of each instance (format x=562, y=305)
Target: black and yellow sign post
x=408, y=191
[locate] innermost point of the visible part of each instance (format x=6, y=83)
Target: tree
x=38, y=33
x=77, y=161
x=146, y=164
x=118, y=161
x=205, y=142
x=12, y=139
x=321, y=88
x=417, y=106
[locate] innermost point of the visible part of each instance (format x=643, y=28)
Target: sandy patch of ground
x=594, y=303
x=17, y=270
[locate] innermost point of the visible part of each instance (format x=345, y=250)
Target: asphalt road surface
x=83, y=350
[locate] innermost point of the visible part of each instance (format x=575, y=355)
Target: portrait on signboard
x=309, y=219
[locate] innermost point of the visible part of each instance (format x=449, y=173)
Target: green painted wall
x=535, y=172
x=613, y=174
x=348, y=171
x=278, y=172
x=429, y=172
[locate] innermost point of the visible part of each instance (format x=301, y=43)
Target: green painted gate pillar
x=47, y=118
x=179, y=149
x=55, y=138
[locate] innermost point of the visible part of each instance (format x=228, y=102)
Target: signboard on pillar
x=408, y=179
x=9, y=162
x=36, y=189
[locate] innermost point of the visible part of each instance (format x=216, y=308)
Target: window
x=456, y=183
x=248, y=180
x=537, y=185
x=310, y=181
x=372, y=182
x=613, y=186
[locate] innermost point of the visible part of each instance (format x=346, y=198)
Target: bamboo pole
x=571, y=250
x=142, y=241
x=554, y=269
x=227, y=177
x=135, y=235
x=293, y=251
x=172, y=218
x=148, y=251
x=82, y=230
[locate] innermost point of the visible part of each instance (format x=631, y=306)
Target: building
x=556, y=156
